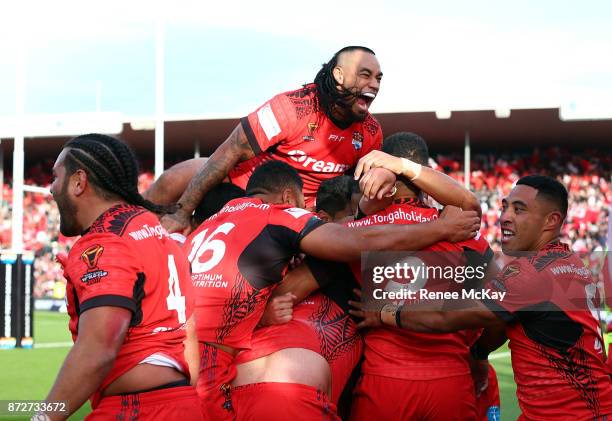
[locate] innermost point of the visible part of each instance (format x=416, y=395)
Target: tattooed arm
x=173, y=182
x=236, y=148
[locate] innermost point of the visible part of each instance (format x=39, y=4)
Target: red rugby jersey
x=237, y=256
x=319, y=325
x=126, y=259
x=555, y=342
x=290, y=128
x=402, y=354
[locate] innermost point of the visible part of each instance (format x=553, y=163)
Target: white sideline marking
x=53, y=345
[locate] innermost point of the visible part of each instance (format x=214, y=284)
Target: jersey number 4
x=201, y=243
x=175, y=300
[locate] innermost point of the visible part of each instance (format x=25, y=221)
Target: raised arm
x=236, y=148
x=444, y=189
x=173, y=182
x=343, y=244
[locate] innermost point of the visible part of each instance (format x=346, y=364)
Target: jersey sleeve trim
x=312, y=224
x=499, y=311
x=250, y=135
x=108, y=301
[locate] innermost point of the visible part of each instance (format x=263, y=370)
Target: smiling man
x=321, y=130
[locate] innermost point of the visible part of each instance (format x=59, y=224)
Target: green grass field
x=29, y=373
x=500, y=360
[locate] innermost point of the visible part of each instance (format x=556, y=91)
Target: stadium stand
x=41, y=229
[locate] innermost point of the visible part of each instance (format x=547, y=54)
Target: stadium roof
x=521, y=129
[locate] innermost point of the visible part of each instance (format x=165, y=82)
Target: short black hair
x=328, y=94
x=273, y=177
x=334, y=194
x=548, y=189
x=111, y=167
x=215, y=199
x=407, y=145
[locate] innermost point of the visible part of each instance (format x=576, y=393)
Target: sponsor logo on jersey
x=311, y=129
x=208, y=280
x=570, y=269
x=357, y=140
x=315, y=164
x=392, y=217
x=94, y=277
x=147, y=232
x=335, y=138
x=511, y=271
x=243, y=206
x=90, y=257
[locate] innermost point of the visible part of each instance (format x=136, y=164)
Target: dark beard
x=341, y=113
x=68, y=225
x=346, y=103
x=68, y=211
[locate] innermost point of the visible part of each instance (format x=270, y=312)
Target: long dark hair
x=329, y=95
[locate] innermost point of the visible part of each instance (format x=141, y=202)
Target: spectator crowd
x=586, y=175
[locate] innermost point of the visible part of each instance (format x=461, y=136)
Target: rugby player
x=212, y=203
x=127, y=308
x=314, y=345
x=321, y=130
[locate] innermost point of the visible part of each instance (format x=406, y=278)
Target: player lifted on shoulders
x=321, y=130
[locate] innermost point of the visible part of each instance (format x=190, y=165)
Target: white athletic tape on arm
x=412, y=168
